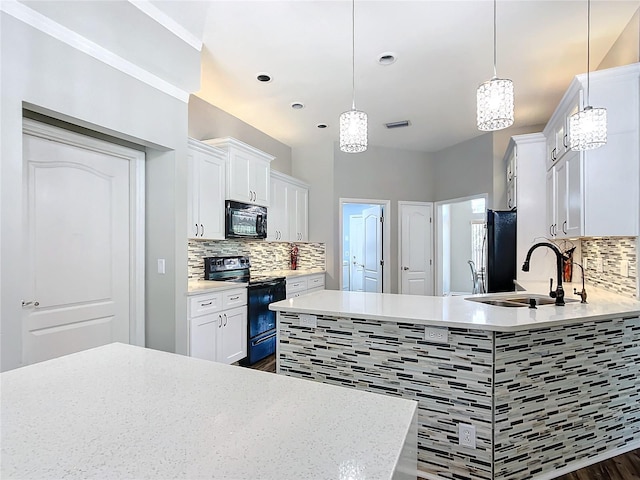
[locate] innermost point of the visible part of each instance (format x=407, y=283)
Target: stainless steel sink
x=516, y=300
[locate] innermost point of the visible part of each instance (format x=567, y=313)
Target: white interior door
x=78, y=230
x=356, y=253
x=372, y=249
x=416, y=246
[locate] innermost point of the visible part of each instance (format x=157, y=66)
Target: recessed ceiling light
x=386, y=58
x=264, y=77
x=297, y=105
x=322, y=125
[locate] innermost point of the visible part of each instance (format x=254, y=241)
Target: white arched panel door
x=78, y=233
x=372, y=248
x=416, y=246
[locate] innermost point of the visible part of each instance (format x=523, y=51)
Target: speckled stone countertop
x=120, y=411
x=461, y=313
x=197, y=287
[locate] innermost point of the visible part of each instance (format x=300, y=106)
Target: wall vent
x=402, y=123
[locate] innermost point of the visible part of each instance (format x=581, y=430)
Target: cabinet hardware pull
x=234, y=298
x=564, y=141
x=405, y=268
x=225, y=319
x=563, y=225
x=202, y=230
x=551, y=230
x=206, y=304
x=27, y=304
x=220, y=318
x=197, y=230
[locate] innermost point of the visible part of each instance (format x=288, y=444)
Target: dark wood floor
x=622, y=467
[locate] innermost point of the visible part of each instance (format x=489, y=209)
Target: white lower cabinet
x=218, y=326
x=300, y=285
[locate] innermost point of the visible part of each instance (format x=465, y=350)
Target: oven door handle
x=262, y=340
x=266, y=284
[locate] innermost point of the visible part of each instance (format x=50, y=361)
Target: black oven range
x=261, y=291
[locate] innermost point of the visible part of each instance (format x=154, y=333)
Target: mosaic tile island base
x=547, y=390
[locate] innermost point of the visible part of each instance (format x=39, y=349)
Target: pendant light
x=588, y=127
x=353, y=123
x=495, y=96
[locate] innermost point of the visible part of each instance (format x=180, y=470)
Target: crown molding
x=44, y=24
x=167, y=22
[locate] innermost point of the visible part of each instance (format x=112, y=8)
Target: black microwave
x=243, y=220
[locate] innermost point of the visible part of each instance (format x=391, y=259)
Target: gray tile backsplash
x=615, y=252
x=265, y=256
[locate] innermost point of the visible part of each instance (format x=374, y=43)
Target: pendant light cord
x=353, y=54
x=588, y=46
x=495, y=75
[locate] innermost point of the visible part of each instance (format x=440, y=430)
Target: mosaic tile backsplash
x=265, y=256
x=614, y=252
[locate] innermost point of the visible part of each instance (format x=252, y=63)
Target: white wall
x=314, y=165
x=53, y=78
x=464, y=169
x=381, y=174
x=207, y=121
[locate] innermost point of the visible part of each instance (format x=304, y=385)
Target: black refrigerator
x=501, y=251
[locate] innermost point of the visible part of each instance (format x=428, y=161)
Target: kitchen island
x=547, y=390
x=120, y=411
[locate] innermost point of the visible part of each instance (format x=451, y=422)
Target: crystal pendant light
x=495, y=96
x=353, y=123
x=588, y=127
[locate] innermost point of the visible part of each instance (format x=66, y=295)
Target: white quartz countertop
x=292, y=273
x=196, y=287
x=120, y=411
x=461, y=313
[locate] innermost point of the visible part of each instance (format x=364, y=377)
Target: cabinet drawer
x=204, y=304
x=296, y=285
x=234, y=298
x=315, y=281
x=316, y=289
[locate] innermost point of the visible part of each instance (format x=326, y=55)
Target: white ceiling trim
x=167, y=22
x=77, y=41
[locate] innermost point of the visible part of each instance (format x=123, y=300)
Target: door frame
x=136, y=223
x=437, y=229
x=386, y=237
x=431, y=233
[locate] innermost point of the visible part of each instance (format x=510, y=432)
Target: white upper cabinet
x=289, y=211
x=597, y=191
x=206, y=190
x=248, y=171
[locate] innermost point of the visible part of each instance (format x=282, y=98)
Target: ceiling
x=443, y=49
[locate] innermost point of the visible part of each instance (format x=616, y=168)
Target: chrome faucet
x=559, y=292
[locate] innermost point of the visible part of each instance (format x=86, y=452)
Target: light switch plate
x=310, y=321
x=161, y=266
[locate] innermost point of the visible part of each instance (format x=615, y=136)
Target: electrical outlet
x=161, y=266
x=310, y=321
x=436, y=334
x=624, y=268
x=599, y=265
x=585, y=263
x=466, y=435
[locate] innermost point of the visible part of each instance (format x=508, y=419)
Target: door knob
x=405, y=268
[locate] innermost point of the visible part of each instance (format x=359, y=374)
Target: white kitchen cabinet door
x=551, y=203
x=569, y=196
x=278, y=215
x=203, y=336
x=248, y=171
x=259, y=180
x=206, y=187
x=298, y=214
x=232, y=335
